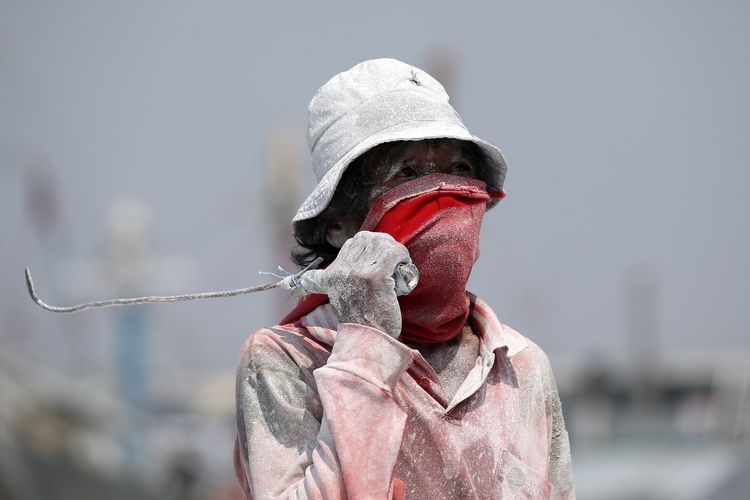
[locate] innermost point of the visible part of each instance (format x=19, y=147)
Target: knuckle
x=346, y=246
x=375, y=236
x=385, y=237
x=369, y=279
x=397, y=250
x=366, y=276
x=401, y=247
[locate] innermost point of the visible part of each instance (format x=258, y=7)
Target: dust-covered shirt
x=341, y=410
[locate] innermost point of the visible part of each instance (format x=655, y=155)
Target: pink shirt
x=329, y=410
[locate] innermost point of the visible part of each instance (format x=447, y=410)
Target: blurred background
x=159, y=148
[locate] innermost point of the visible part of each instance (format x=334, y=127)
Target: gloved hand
x=360, y=283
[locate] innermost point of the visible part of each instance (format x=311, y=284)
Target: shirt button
x=425, y=382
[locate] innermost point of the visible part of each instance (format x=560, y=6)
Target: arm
x=559, y=469
x=336, y=439
x=335, y=434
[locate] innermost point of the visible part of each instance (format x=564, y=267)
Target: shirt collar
x=322, y=323
x=494, y=335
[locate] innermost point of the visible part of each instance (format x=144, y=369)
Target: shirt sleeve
x=334, y=435
x=559, y=467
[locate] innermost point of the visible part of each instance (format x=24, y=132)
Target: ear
x=338, y=232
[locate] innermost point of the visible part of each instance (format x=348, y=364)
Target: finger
x=313, y=281
x=373, y=253
x=351, y=250
x=366, y=247
x=394, y=253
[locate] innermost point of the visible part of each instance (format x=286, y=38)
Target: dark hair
x=352, y=199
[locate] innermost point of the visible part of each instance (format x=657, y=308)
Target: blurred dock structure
x=679, y=428
x=62, y=438
x=78, y=427
x=284, y=181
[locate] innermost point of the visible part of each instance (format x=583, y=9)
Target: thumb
x=313, y=281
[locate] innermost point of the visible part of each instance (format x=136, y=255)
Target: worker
x=363, y=393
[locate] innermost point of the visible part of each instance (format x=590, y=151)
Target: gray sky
x=625, y=127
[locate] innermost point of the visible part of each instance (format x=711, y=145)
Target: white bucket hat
x=378, y=101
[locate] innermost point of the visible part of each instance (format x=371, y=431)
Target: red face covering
x=437, y=217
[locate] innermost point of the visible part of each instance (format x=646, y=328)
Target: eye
x=407, y=172
x=462, y=168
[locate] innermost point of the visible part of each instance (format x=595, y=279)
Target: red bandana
x=437, y=217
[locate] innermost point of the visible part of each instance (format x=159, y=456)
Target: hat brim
x=407, y=131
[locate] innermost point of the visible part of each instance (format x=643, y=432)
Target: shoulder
x=281, y=347
x=498, y=334
x=531, y=358
x=531, y=349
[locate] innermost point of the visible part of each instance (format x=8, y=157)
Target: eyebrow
x=398, y=166
x=454, y=157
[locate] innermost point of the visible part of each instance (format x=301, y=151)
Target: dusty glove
x=360, y=283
